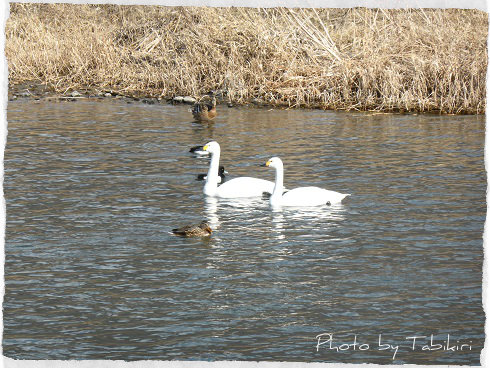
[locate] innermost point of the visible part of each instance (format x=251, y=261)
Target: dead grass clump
x=390, y=60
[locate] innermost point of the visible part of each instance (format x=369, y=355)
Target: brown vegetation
x=364, y=59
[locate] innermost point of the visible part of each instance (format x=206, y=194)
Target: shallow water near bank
x=93, y=189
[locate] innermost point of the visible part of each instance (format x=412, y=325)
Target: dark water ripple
x=92, y=272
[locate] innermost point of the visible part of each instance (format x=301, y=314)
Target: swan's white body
x=235, y=188
x=303, y=196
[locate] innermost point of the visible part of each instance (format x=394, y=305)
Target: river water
x=93, y=189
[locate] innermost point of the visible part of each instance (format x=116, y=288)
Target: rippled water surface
x=92, y=272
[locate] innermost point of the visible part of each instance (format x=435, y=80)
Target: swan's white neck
x=279, y=186
x=212, y=178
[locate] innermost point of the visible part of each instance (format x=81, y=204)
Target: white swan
x=303, y=196
x=234, y=188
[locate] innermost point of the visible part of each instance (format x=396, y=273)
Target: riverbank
x=430, y=60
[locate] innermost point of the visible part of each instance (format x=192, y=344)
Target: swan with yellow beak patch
x=235, y=188
x=302, y=196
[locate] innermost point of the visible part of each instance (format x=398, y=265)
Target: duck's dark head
x=205, y=226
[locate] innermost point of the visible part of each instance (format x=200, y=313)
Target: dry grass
x=390, y=60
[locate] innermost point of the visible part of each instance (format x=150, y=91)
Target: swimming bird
x=302, y=196
x=235, y=188
x=205, y=108
x=197, y=150
x=221, y=174
x=202, y=229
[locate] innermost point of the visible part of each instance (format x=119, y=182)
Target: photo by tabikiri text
x=327, y=342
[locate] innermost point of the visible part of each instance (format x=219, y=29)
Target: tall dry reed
x=364, y=59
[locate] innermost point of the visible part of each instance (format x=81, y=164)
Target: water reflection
x=313, y=213
x=278, y=224
x=211, y=210
x=92, y=190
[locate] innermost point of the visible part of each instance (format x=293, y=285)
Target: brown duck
x=202, y=229
x=205, y=108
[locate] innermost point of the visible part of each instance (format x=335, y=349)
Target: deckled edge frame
x=4, y=13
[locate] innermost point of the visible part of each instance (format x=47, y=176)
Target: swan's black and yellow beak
x=266, y=164
x=205, y=148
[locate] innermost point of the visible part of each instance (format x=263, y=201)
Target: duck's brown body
x=202, y=229
x=205, y=109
